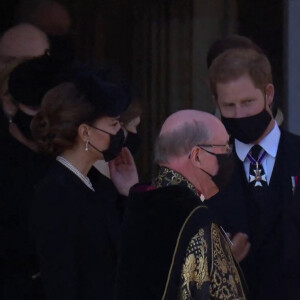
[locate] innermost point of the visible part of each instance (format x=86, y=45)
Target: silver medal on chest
x=258, y=178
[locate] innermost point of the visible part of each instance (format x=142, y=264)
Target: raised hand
x=123, y=172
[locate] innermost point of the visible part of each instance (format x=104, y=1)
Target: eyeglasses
x=227, y=146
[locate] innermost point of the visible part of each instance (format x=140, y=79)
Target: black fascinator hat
x=110, y=98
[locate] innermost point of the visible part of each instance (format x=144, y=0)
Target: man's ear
x=83, y=132
x=195, y=157
x=270, y=91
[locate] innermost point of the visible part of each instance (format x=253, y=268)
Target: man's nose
x=238, y=112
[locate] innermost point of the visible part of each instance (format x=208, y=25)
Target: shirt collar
x=168, y=177
x=269, y=143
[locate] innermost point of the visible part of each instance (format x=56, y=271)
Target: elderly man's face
x=217, y=144
x=22, y=41
x=240, y=98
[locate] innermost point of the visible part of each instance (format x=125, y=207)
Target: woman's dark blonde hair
x=133, y=111
x=63, y=109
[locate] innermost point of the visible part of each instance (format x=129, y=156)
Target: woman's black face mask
x=115, y=145
x=132, y=142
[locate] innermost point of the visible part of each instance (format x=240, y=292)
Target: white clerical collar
x=269, y=143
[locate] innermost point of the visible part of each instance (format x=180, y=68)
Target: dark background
x=104, y=32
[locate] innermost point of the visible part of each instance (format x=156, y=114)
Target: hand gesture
x=240, y=246
x=123, y=172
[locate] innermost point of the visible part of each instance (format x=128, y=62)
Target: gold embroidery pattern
x=177, y=243
x=195, y=267
x=223, y=278
x=167, y=177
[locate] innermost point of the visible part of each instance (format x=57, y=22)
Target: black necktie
x=257, y=177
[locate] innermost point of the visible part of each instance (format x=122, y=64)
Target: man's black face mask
x=248, y=129
x=23, y=121
x=226, y=166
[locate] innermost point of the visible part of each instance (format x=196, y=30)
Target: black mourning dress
x=20, y=169
x=76, y=231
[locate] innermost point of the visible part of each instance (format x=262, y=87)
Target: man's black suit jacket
x=267, y=222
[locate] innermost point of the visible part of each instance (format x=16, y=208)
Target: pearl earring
x=86, y=146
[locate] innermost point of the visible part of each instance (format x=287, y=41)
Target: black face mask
x=226, y=166
x=23, y=121
x=62, y=48
x=248, y=129
x=115, y=145
x=132, y=142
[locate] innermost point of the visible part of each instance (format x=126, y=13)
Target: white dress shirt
x=269, y=143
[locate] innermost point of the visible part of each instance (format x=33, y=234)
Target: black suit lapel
x=280, y=188
x=287, y=165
